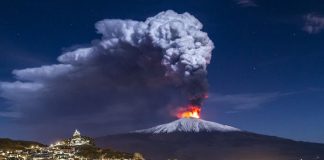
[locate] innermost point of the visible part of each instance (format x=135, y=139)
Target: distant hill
x=92, y=152
x=196, y=139
x=8, y=144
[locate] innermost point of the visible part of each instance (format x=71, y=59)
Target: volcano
x=197, y=139
x=193, y=125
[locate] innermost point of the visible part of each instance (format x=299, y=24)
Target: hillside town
x=75, y=148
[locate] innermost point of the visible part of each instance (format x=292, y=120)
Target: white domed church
x=78, y=140
x=75, y=141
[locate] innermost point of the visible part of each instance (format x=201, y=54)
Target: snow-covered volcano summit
x=189, y=125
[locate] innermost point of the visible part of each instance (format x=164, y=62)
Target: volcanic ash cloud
x=135, y=70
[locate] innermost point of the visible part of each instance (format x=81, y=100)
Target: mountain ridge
x=159, y=143
x=9, y=144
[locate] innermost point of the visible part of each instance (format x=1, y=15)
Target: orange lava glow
x=189, y=112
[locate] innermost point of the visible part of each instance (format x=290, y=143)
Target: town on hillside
x=77, y=147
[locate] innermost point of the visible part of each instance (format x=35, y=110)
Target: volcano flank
x=194, y=125
x=197, y=139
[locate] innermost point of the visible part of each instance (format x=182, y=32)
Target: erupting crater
x=191, y=111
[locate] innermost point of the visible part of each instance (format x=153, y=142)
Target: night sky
x=266, y=73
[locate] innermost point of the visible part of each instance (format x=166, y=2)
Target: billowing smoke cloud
x=135, y=72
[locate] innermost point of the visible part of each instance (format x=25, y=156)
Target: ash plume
x=134, y=71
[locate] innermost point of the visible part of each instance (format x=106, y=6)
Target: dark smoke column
x=186, y=51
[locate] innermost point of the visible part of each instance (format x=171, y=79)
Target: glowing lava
x=189, y=112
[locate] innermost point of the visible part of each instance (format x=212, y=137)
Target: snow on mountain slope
x=189, y=125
